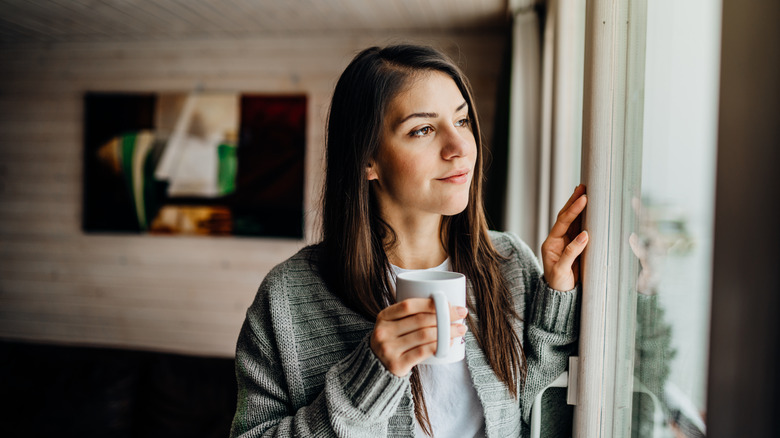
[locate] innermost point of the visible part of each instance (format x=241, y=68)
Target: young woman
x=327, y=351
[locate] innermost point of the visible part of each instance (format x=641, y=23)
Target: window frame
x=611, y=169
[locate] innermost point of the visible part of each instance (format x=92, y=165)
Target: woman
x=326, y=350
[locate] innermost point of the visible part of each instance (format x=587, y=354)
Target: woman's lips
x=457, y=177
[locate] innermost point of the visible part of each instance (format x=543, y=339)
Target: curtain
x=523, y=157
x=545, y=114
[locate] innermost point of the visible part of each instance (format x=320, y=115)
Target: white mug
x=445, y=288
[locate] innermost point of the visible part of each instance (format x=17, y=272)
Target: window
x=649, y=125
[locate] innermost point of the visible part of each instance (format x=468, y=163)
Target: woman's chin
x=455, y=208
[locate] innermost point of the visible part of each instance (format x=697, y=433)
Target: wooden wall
x=177, y=294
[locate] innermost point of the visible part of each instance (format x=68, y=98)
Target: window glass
x=673, y=218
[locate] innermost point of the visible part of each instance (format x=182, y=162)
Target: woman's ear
x=371, y=171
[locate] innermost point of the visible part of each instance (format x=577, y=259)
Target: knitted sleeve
x=551, y=326
x=653, y=348
x=358, y=397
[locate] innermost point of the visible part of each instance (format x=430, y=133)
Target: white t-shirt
x=453, y=406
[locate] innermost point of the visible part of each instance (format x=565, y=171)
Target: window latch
x=571, y=386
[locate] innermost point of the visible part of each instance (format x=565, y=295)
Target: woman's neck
x=418, y=244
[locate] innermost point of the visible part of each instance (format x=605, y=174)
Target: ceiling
x=90, y=20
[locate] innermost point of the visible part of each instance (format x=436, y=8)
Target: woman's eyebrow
x=427, y=115
x=420, y=115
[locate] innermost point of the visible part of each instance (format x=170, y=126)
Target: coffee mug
x=445, y=288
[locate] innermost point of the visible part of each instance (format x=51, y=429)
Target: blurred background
x=112, y=326
x=158, y=158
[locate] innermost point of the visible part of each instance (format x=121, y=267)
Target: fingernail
x=582, y=237
x=462, y=311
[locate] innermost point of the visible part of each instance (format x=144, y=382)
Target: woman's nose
x=455, y=144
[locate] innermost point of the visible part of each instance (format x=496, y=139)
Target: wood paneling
x=84, y=20
x=182, y=294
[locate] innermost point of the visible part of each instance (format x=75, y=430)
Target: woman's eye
x=462, y=122
x=425, y=130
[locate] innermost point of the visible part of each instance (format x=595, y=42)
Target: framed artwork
x=197, y=163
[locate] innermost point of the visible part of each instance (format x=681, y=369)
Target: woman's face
x=425, y=162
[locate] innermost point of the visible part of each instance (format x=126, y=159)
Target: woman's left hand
x=565, y=243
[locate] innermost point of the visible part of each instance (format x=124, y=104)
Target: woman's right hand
x=405, y=333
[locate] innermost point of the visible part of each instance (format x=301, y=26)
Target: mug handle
x=442, y=324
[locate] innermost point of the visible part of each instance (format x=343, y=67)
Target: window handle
x=568, y=380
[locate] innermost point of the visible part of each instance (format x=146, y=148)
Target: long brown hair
x=355, y=238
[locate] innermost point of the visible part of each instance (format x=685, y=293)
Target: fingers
x=414, y=322
x=457, y=312
x=418, y=346
x=414, y=306
x=427, y=337
x=407, y=308
x=578, y=191
x=567, y=216
x=572, y=251
x=415, y=313
x=405, y=333
x=563, y=245
x=400, y=354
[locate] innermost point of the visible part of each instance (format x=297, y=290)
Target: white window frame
x=611, y=166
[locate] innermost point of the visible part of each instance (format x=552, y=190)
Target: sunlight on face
x=425, y=161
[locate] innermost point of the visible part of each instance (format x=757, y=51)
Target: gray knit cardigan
x=305, y=368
